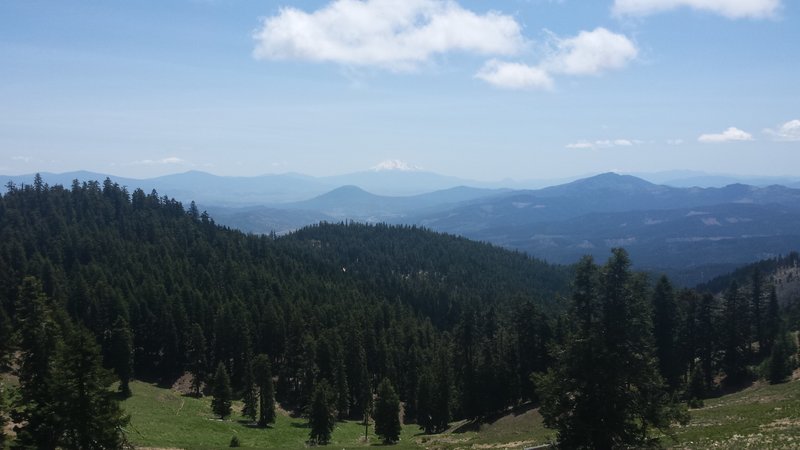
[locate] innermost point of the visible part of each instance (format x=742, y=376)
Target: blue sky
x=478, y=89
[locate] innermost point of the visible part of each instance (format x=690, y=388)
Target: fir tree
x=6, y=333
x=250, y=395
x=772, y=321
x=121, y=354
x=40, y=340
x=425, y=395
x=3, y=412
x=387, y=413
x=781, y=359
x=756, y=316
x=735, y=336
x=605, y=390
x=665, y=320
x=442, y=406
x=92, y=416
x=321, y=417
x=221, y=390
x=262, y=372
x=197, y=358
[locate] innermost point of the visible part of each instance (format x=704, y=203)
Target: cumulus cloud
x=591, y=53
x=390, y=34
x=733, y=9
x=604, y=143
x=732, y=134
x=509, y=75
x=789, y=131
x=588, y=53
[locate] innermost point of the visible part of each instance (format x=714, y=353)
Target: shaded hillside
x=110, y=256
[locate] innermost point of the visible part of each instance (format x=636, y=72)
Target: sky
x=486, y=90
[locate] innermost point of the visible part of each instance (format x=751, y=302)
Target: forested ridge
x=454, y=328
x=351, y=304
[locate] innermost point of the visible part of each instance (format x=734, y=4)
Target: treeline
x=457, y=329
x=455, y=326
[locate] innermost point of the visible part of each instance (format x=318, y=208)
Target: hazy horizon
x=524, y=89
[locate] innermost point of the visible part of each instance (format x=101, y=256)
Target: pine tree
x=781, y=361
x=387, y=413
x=772, y=321
x=707, y=341
x=605, y=391
x=425, y=392
x=221, y=403
x=735, y=336
x=321, y=417
x=262, y=372
x=197, y=358
x=665, y=318
x=250, y=394
x=6, y=333
x=756, y=316
x=40, y=340
x=442, y=400
x=65, y=399
x=3, y=412
x=92, y=416
x=121, y=354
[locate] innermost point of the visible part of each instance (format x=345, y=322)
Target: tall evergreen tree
x=121, y=354
x=321, y=416
x=221, y=390
x=249, y=394
x=772, y=321
x=197, y=363
x=40, y=340
x=707, y=340
x=735, y=336
x=781, y=361
x=442, y=401
x=6, y=333
x=92, y=417
x=756, y=315
x=3, y=413
x=605, y=391
x=387, y=413
x=262, y=372
x=665, y=324
x=425, y=393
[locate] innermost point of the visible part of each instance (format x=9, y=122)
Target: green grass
x=760, y=417
x=163, y=418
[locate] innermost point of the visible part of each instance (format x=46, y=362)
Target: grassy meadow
x=760, y=417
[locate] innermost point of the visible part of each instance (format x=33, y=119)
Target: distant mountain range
x=691, y=233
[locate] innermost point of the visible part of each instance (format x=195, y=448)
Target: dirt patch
x=517, y=444
x=183, y=385
x=781, y=424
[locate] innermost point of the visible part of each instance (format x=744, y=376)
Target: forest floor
x=762, y=416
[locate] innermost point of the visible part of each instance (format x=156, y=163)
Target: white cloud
x=514, y=75
x=591, y=53
x=789, y=131
x=390, y=34
x=732, y=9
x=395, y=165
x=732, y=134
x=588, y=53
x=153, y=162
x=604, y=143
x=675, y=141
